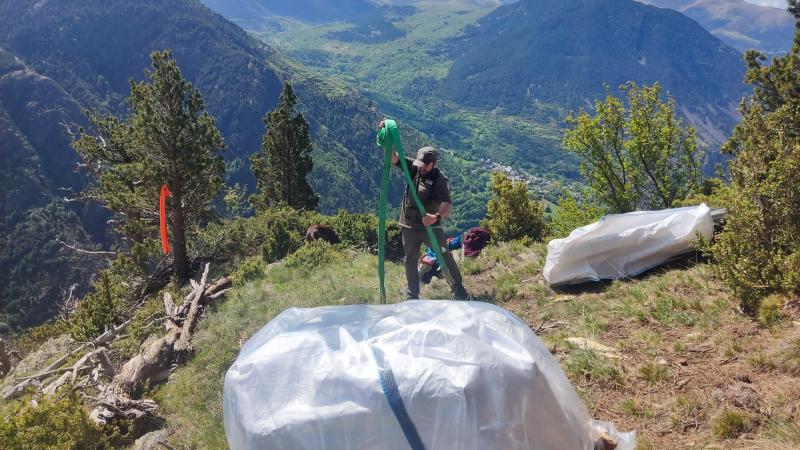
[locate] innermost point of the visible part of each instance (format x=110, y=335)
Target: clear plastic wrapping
x=471, y=376
x=625, y=245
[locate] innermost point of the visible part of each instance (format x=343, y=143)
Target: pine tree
x=758, y=252
x=284, y=160
x=169, y=139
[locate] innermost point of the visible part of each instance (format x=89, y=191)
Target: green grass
x=653, y=373
x=633, y=408
x=192, y=399
x=622, y=314
x=730, y=424
x=588, y=365
x=506, y=287
x=761, y=361
x=789, y=357
x=783, y=431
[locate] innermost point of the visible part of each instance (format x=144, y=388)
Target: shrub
x=769, y=311
x=355, y=230
x=52, y=422
x=314, y=254
x=758, y=252
x=572, y=214
x=101, y=308
x=360, y=231
x=276, y=232
x=512, y=213
x=250, y=269
x=30, y=340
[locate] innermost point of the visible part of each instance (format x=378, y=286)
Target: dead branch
x=105, y=363
x=44, y=374
x=107, y=337
x=53, y=387
x=169, y=305
x=154, y=364
x=88, y=252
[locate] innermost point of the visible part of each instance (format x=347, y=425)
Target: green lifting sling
x=388, y=137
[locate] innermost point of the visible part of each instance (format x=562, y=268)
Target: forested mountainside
x=317, y=11
x=565, y=51
x=36, y=171
x=740, y=24
x=63, y=57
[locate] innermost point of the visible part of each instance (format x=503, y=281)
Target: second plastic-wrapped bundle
x=624, y=245
x=421, y=374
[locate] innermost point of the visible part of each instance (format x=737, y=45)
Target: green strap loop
x=389, y=137
x=384, y=200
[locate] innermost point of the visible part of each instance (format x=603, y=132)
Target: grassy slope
x=400, y=76
x=688, y=354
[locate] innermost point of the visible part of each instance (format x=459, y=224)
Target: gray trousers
x=412, y=239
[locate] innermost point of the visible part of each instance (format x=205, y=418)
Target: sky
x=775, y=3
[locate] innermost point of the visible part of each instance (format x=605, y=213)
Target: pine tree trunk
x=179, y=233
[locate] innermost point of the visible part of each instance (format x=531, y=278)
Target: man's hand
x=429, y=219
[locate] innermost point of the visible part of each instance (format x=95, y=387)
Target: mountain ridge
x=532, y=44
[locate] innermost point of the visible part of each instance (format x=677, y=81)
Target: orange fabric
x=163, y=218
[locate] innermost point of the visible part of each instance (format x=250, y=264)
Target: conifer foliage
x=169, y=139
x=759, y=250
x=284, y=160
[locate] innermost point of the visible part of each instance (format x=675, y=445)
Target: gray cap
x=425, y=155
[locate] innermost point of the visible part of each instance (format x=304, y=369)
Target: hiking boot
x=459, y=293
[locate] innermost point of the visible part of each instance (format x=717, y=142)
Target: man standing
x=433, y=189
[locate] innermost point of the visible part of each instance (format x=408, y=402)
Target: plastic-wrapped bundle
x=625, y=245
x=419, y=374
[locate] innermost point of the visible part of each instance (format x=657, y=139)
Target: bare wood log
x=53, y=387
x=105, y=363
x=219, y=294
x=108, y=336
x=189, y=324
x=5, y=361
x=222, y=283
x=205, y=276
x=169, y=305
x=79, y=365
x=43, y=375
x=153, y=365
x=12, y=392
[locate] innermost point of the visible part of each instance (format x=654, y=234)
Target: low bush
x=512, y=213
x=769, y=310
x=52, y=422
x=250, y=269
x=314, y=254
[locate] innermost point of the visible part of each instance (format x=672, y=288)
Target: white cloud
x=774, y=3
